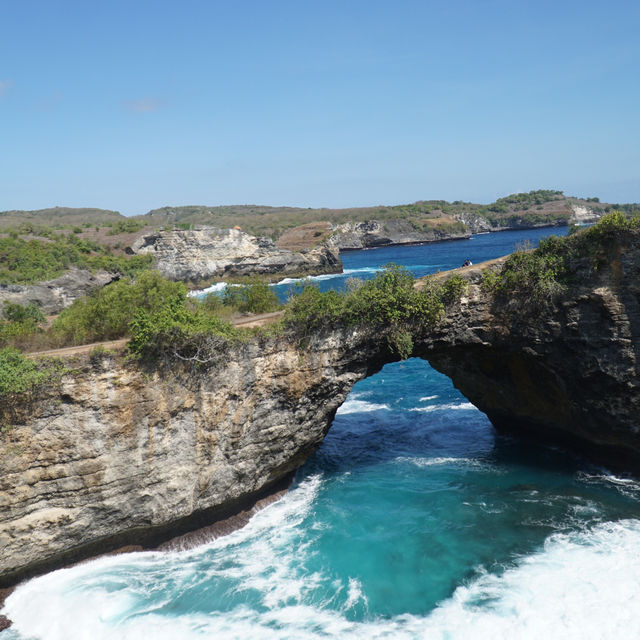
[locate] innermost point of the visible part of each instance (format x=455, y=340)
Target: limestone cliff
x=119, y=455
x=204, y=253
x=583, y=214
x=375, y=233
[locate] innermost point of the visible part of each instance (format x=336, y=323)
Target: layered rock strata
x=203, y=253
x=120, y=456
x=375, y=233
x=123, y=456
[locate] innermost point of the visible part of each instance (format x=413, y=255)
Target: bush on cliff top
x=186, y=333
x=544, y=273
x=253, y=297
x=389, y=305
x=107, y=313
x=29, y=261
x=19, y=375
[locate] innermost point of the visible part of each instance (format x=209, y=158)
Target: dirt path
x=258, y=320
x=246, y=322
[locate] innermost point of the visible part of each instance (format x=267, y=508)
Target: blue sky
x=136, y=105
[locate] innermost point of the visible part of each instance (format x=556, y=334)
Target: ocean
x=413, y=520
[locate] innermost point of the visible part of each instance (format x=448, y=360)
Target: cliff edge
x=203, y=253
x=121, y=454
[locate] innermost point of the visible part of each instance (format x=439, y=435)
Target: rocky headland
x=121, y=454
x=203, y=253
x=377, y=233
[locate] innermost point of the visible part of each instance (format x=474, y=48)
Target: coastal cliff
x=564, y=373
x=376, y=233
x=121, y=454
x=117, y=455
x=202, y=253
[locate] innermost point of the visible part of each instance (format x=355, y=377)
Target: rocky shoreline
x=370, y=234
x=204, y=253
x=118, y=455
x=223, y=525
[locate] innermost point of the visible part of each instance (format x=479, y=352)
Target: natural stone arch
x=120, y=456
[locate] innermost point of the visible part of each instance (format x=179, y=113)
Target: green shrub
x=107, y=313
x=126, y=226
x=453, y=289
x=310, y=309
x=21, y=323
x=258, y=297
x=20, y=375
x=254, y=297
x=544, y=273
x=29, y=261
x=14, y=312
x=180, y=332
x=388, y=305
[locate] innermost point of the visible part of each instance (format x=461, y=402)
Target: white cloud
x=144, y=105
x=5, y=85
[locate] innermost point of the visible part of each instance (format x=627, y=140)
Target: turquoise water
x=413, y=520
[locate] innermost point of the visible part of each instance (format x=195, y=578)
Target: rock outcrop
x=122, y=456
x=375, y=233
x=55, y=295
x=203, y=253
x=517, y=220
x=118, y=455
x=582, y=214
x=567, y=372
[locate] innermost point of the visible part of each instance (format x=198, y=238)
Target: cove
x=413, y=519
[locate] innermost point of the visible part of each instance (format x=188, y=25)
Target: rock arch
x=135, y=457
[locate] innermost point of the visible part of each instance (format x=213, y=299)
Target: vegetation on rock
x=28, y=261
x=19, y=323
x=107, y=313
x=544, y=273
x=388, y=305
x=21, y=377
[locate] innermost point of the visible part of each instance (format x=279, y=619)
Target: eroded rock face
x=375, y=233
x=203, y=253
x=122, y=456
x=566, y=372
x=55, y=295
x=581, y=214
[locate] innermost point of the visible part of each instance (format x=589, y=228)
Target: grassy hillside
x=25, y=261
x=58, y=216
x=541, y=207
x=299, y=227
x=274, y=221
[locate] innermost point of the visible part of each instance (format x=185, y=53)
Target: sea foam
x=451, y=406
x=579, y=586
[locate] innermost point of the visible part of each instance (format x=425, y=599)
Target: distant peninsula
x=51, y=257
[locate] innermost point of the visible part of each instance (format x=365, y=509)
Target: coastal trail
x=246, y=322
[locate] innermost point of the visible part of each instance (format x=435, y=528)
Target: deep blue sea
x=413, y=520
